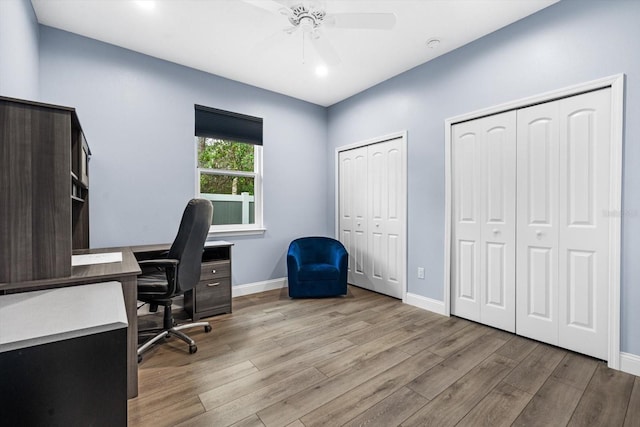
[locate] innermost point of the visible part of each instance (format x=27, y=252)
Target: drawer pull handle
x=213, y=271
x=211, y=285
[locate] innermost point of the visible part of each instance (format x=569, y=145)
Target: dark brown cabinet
x=212, y=295
x=44, y=211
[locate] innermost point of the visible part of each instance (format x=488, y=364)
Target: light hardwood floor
x=369, y=360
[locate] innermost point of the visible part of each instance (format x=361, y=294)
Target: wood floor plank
x=552, y=405
x=517, y=348
x=358, y=354
x=391, y=411
x=175, y=388
x=632, y=418
x=575, y=370
x=458, y=340
x=440, y=377
x=437, y=331
x=534, y=369
x=296, y=406
x=499, y=408
x=250, y=421
x=605, y=401
x=449, y=407
x=284, y=354
x=251, y=403
x=390, y=324
x=344, y=408
x=225, y=393
x=166, y=415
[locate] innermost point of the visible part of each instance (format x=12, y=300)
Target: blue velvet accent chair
x=317, y=267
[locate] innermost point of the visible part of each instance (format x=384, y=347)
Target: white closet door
x=562, y=249
x=372, y=214
x=498, y=222
x=585, y=124
x=353, y=211
x=466, y=149
x=386, y=213
x=537, y=218
x=483, y=250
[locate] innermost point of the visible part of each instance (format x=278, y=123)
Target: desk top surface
x=85, y=273
x=34, y=318
x=165, y=246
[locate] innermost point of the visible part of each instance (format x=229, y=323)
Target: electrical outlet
x=420, y=272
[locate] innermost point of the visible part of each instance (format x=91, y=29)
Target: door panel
x=585, y=123
x=498, y=221
x=385, y=224
x=352, y=172
x=537, y=217
x=466, y=227
x=483, y=276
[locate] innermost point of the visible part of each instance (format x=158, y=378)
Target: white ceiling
x=225, y=37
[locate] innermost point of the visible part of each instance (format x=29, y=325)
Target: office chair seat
x=178, y=271
x=152, y=285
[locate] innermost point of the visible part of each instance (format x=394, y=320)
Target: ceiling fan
x=311, y=18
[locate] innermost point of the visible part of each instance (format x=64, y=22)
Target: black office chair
x=163, y=279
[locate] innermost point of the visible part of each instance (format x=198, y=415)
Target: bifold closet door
x=563, y=178
x=352, y=170
x=371, y=213
x=483, y=249
x=386, y=214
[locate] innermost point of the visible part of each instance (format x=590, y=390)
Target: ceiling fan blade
x=365, y=21
x=324, y=49
x=270, y=6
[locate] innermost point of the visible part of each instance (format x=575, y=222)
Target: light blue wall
x=138, y=116
x=566, y=44
x=18, y=49
x=137, y=113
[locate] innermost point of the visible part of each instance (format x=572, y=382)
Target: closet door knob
x=496, y=231
x=538, y=233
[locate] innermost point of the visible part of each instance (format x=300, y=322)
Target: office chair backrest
x=189, y=243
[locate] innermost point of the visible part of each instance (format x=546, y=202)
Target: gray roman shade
x=214, y=123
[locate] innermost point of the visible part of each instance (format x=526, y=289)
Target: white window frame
x=238, y=229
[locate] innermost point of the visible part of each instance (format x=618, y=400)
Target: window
x=229, y=167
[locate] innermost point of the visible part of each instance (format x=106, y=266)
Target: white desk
x=63, y=356
x=40, y=317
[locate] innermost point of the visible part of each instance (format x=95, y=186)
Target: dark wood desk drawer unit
x=213, y=294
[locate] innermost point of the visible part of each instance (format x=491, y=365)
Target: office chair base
x=174, y=331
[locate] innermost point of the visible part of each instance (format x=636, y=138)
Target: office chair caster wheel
x=207, y=329
x=193, y=349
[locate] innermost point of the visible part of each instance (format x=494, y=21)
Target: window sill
x=236, y=232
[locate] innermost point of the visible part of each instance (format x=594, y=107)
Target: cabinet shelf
x=47, y=160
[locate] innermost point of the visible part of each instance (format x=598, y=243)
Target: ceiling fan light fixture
x=147, y=5
x=322, y=71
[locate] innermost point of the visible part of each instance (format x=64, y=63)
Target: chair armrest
x=339, y=257
x=158, y=262
x=154, y=265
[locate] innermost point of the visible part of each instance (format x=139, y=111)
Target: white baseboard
x=630, y=363
x=256, y=287
x=425, y=303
